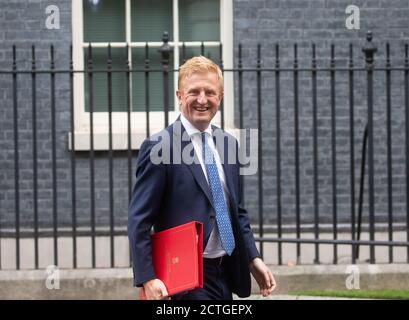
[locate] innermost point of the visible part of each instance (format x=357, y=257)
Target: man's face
x=199, y=97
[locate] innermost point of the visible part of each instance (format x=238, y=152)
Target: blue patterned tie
x=222, y=216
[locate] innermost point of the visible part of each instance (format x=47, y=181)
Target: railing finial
x=369, y=49
x=369, y=36
x=165, y=48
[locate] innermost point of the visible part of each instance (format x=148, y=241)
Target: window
x=128, y=25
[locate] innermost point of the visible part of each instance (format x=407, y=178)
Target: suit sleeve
x=144, y=207
x=247, y=233
x=244, y=220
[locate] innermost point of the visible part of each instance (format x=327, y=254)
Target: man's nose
x=202, y=99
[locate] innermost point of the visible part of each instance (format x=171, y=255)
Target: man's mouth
x=201, y=109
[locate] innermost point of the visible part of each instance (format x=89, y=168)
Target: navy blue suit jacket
x=169, y=194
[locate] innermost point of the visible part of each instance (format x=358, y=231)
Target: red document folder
x=177, y=255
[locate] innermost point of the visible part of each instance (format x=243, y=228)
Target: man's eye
x=195, y=93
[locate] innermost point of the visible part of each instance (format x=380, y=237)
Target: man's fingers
x=164, y=292
x=158, y=294
x=269, y=285
x=265, y=292
x=270, y=279
x=264, y=282
x=155, y=290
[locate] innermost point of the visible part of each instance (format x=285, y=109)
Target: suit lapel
x=195, y=168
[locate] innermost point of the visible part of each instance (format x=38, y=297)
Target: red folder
x=177, y=255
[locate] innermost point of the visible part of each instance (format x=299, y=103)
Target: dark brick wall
x=23, y=23
x=322, y=22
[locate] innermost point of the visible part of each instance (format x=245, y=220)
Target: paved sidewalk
x=292, y=297
x=89, y=284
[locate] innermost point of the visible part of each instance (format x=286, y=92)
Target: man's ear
x=178, y=94
x=221, y=95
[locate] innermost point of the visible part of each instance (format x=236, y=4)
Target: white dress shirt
x=214, y=247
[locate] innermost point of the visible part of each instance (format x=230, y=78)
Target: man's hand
x=263, y=276
x=155, y=290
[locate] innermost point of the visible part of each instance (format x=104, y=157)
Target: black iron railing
x=12, y=228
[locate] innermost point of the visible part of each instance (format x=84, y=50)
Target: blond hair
x=199, y=64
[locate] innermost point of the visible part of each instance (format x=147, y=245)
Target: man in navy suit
x=184, y=174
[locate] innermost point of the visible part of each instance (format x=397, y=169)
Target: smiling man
x=167, y=195
x=199, y=94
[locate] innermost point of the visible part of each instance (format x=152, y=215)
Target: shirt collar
x=191, y=129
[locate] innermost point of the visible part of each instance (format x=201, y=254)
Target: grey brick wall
x=255, y=21
x=22, y=23
x=268, y=22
